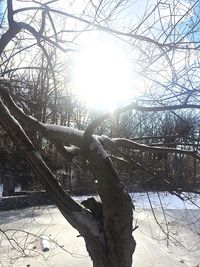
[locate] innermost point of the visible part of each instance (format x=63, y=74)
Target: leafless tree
x=165, y=40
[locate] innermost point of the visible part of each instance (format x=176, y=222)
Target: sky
x=128, y=16
x=2, y=9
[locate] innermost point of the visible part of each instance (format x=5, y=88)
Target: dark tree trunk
x=117, y=205
x=111, y=246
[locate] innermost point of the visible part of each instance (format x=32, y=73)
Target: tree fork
x=77, y=216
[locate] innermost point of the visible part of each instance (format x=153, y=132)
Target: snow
x=90, y=224
x=63, y=129
x=180, y=247
x=168, y=200
x=96, y=144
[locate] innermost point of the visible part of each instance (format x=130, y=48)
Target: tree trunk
x=117, y=205
x=111, y=246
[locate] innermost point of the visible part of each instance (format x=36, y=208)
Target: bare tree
x=158, y=39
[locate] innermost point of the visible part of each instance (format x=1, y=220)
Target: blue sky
x=2, y=8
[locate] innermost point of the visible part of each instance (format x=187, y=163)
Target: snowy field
x=168, y=234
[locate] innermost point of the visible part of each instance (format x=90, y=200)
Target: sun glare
x=102, y=76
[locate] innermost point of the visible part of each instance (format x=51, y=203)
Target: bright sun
x=102, y=76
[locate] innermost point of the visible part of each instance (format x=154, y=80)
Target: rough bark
x=112, y=247
x=76, y=215
x=117, y=205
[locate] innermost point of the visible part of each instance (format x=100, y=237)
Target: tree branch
x=125, y=143
x=77, y=216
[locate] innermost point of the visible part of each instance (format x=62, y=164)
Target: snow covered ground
x=169, y=236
